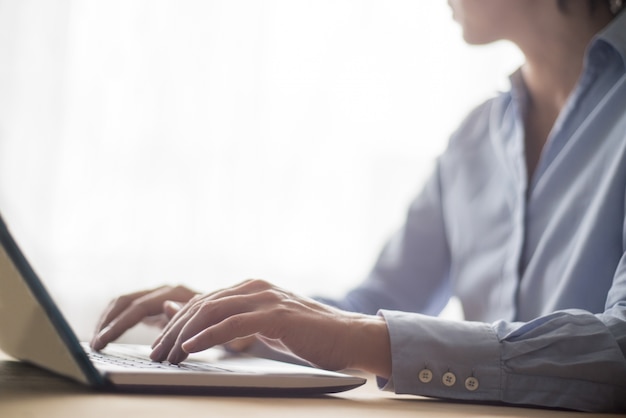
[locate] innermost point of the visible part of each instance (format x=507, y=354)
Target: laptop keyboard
x=137, y=361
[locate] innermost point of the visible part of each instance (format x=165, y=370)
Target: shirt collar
x=614, y=35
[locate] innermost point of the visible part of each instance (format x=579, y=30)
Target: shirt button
x=425, y=376
x=449, y=379
x=471, y=383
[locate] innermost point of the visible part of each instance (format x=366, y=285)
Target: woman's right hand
x=153, y=306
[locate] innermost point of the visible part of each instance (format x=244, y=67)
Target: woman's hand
x=324, y=336
x=154, y=307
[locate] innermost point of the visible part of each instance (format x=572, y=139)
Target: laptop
x=33, y=330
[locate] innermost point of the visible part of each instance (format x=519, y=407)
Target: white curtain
x=205, y=142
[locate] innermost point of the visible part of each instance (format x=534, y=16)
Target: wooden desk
x=26, y=391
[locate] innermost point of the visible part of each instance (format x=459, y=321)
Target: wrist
x=371, y=346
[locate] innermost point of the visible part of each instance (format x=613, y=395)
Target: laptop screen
x=32, y=328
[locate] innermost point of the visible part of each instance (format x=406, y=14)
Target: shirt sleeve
x=568, y=359
x=411, y=273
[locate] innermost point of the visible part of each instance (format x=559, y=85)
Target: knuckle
x=208, y=310
x=258, y=284
x=282, y=310
x=170, y=290
x=180, y=290
x=205, y=307
x=121, y=303
x=273, y=296
x=195, y=299
x=123, y=300
x=138, y=307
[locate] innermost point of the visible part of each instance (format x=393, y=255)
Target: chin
x=477, y=39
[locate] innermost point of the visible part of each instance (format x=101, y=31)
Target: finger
x=132, y=309
x=174, y=321
x=163, y=345
x=118, y=305
x=246, y=287
x=231, y=328
x=113, y=310
x=203, y=314
x=171, y=308
x=265, y=304
x=158, y=321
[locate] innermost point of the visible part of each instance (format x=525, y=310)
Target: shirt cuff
x=443, y=358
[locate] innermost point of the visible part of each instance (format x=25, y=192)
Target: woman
x=523, y=220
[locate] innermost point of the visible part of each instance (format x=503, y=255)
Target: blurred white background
x=205, y=142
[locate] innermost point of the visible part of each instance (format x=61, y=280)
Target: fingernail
x=173, y=306
x=155, y=343
x=157, y=353
x=102, y=335
x=98, y=341
x=173, y=357
x=189, y=345
x=95, y=343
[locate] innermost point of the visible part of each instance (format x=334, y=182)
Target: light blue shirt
x=539, y=266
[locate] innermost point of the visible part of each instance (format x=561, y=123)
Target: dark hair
x=593, y=5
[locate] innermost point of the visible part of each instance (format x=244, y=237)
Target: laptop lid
x=33, y=329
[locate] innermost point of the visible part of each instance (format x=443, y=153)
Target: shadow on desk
x=26, y=390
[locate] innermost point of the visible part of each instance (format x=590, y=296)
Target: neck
x=554, y=55
x=554, y=60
